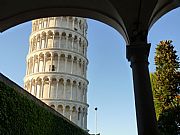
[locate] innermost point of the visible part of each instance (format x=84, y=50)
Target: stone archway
x=132, y=19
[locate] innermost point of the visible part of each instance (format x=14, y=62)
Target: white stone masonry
x=57, y=65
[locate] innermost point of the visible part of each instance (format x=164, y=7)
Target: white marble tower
x=57, y=65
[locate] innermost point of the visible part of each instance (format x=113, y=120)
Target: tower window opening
x=78, y=115
x=52, y=67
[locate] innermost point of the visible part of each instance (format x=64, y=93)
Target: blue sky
x=111, y=87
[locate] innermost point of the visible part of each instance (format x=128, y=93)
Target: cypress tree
x=166, y=87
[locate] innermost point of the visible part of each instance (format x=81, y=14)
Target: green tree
x=166, y=86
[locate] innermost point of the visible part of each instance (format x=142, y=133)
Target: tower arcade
x=57, y=64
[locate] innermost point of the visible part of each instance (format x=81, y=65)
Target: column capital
x=137, y=52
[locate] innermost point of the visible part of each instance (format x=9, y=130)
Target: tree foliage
x=166, y=86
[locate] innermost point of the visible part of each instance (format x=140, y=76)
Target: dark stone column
x=138, y=54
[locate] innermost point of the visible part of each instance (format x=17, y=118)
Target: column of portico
x=71, y=97
x=38, y=92
x=49, y=90
x=84, y=32
x=38, y=64
x=86, y=70
x=63, y=113
x=64, y=90
x=30, y=83
x=72, y=44
x=46, y=41
x=81, y=121
x=85, y=93
x=48, y=20
x=80, y=67
x=84, y=73
x=42, y=89
x=76, y=98
x=41, y=60
x=51, y=62
x=60, y=37
x=58, y=64
x=53, y=40
x=57, y=88
x=28, y=86
x=78, y=46
x=32, y=68
x=35, y=87
x=40, y=41
x=73, y=23
x=65, y=47
x=60, y=20
x=70, y=114
x=30, y=43
x=54, y=21
x=44, y=63
x=67, y=22
x=31, y=86
x=65, y=63
x=72, y=63
x=44, y=19
x=78, y=26
x=82, y=92
x=137, y=54
x=76, y=66
x=37, y=25
x=43, y=39
x=79, y=93
x=85, y=51
x=85, y=119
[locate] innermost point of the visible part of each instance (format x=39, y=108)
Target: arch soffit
x=63, y=79
x=74, y=108
x=72, y=36
x=110, y=12
x=62, y=54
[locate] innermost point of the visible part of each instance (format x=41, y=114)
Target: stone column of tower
x=57, y=65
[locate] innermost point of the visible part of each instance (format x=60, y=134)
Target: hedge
x=20, y=115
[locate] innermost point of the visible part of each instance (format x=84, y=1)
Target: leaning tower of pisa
x=57, y=65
